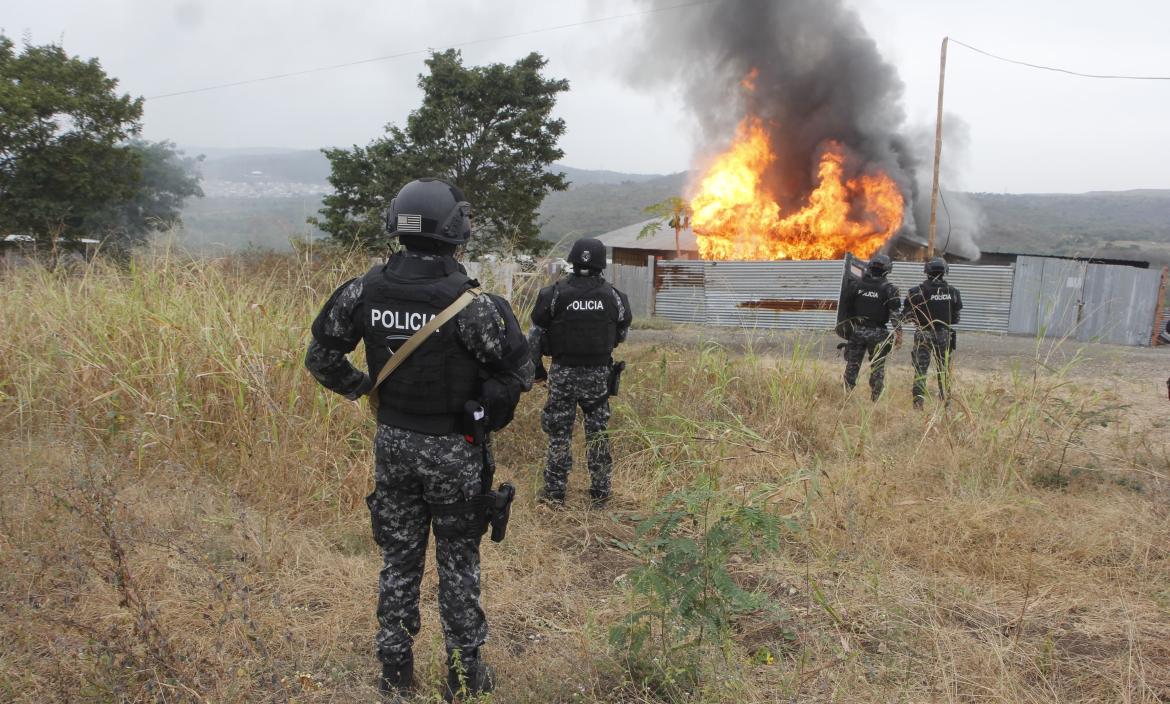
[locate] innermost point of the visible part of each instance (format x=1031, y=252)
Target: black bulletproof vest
x=933, y=302
x=871, y=300
x=584, y=322
x=425, y=393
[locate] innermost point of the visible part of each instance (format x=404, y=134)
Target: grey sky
x=1029, y=131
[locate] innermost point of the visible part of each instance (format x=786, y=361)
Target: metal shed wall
x=788, y=295
x=986, y=292
x=1086, y=302
x=678, y=291
x=1120, y=303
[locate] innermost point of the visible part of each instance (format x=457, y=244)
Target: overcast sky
x=1030, y=131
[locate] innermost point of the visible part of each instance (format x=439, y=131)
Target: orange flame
x=734, y=217
x=748, y=82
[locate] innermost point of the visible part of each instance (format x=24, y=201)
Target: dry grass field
x=182, y=518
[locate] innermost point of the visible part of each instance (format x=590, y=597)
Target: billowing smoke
x=959, y=218
x=817, y=76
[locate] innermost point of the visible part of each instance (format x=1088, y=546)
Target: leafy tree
x=169, y=178
x=488, y=129
x=68, y=163
x=674, y=212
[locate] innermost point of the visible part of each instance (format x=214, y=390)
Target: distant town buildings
x=262, y=189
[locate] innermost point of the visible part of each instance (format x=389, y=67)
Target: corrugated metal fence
x=986, y=292
x=637, y=282
x=804, y=295
x=1037, y=295
x=1086, y=302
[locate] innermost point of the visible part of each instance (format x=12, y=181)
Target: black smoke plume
x=818, y=76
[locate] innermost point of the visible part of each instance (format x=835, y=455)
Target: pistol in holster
x=615, y=377
x=490, y=509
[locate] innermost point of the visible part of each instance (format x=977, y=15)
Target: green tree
x=168, y=179
x=488, y=129
x=70, y=165
x=674, y=212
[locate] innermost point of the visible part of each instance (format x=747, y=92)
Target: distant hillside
x=284, y=186
x=597, y=208
x=308, y=166
x=1122, y=224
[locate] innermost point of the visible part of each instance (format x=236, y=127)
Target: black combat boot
x=470, y=677
x=598, y=499
x=397, y=679
x=919, y=403
x=552, y=499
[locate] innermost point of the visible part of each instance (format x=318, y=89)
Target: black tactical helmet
x=588, y=253
x=935, y=267
x=880, y=265
x=430, y=207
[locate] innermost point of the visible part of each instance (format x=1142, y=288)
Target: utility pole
x=942, y=76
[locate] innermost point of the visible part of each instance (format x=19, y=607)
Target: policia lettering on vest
x=578, y=321
x=934, y=307
x=435, y=410
x=867, y=306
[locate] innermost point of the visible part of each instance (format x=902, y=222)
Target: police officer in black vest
x=934, y=307
x=869, y=304
x=427, y=469
x=578, y=321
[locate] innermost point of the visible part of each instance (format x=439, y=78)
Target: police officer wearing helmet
x=934, y=307
x=578, y=321
x=869, y=304
x=427, y=469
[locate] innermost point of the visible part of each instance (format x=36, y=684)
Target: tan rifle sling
x=418, y=338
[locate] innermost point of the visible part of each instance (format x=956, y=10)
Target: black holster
x=489, y=508
x=474, y=516
x=615, y=377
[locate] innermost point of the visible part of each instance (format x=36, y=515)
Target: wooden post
x=651, y=260
x=938, y=131
x=1156, y=338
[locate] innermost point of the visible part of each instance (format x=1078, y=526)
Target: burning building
x=805, y=154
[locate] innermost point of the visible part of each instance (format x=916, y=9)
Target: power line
x=1059, y=70
x=414, y=52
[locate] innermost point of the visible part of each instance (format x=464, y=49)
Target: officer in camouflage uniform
x=426, y=470
x=934, y=307
x=578, y=321
x=868, y=305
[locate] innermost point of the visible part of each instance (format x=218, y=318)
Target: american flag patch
x=409, y=223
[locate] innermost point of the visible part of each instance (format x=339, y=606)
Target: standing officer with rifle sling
x=934, y=306
x=578, y=321
x=447, y=365
x=868, y=304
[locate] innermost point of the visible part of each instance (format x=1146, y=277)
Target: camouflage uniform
x=874, y=341
x=929, y=344
x=570, y=387
x=414, y=470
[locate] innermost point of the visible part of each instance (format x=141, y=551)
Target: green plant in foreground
x=683, y=594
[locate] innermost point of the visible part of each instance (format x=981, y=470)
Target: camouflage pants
x=413, y=470
x=931, y=345
x=874, y=341
x=569, y=387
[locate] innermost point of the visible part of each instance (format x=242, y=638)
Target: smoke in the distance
x=819, y=77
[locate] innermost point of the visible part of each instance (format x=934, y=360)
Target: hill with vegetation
x=242, y=210
x=1121, y=224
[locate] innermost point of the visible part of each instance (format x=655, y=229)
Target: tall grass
x=182, y=518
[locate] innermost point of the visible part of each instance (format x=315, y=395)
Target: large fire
x=735, y=217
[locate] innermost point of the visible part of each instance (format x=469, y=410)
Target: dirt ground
x=1139, y=372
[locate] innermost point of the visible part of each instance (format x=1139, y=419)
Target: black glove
x=362, y=388
x=499, y=400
